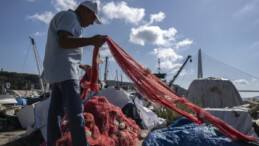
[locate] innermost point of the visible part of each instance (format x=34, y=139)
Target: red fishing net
x=90, y=78
x=105, y=125
x=154, y=90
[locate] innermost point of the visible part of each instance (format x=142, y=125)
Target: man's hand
x=84, y=67
x=98, y=40
x=68, y=41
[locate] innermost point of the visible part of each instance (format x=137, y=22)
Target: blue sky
x=226, y=30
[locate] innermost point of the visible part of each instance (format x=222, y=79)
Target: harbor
x=129, y=73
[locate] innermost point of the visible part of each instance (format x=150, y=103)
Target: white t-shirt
x=62, y=64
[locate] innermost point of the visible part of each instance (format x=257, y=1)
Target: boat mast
x=37, y=62
x=106, y=70
x=159, y=66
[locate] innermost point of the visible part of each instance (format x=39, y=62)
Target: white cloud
x=44, y=17
x=253, y=80
x=192, y=72
x=105, y=52
x=166, y=53
x=112, y=59
x=167, y=64
x=64, y=4
x=183, y=72
x=173, y=67
x=246, y=9
x=167, y=56
x=156, y=17
x=153, y=35
x=241, y=81
x=184, y=43
x=255, y=44
x=165, y=39
x=122, y=11
x=256, y=22
x=39, y=34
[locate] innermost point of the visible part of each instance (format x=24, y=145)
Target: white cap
x=93, y=7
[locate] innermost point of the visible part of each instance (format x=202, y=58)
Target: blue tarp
x=186, y=133
x=21, y=101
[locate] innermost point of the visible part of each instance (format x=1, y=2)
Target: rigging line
x=123, y=75
x=169, y=75
x=217, y=69
x=115, y=67
x=176, y=68
x=109, y=71
x=38, y=56
x=116, y=74
x=171, y=71
x=180, y=77
x=26, y=56
x=100, y=71
x=232, y=67
x=227, y=74
x=115, y=78
x=184, y=76
x=40, y=61
x=195, y=56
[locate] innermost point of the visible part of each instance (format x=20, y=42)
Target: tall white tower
x=200, y=74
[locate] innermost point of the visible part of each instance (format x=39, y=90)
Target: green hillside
x=19, y=81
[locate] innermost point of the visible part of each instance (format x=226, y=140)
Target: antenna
x=117, y=78
x=159, y=65
x=159, y=68
x=160, y=75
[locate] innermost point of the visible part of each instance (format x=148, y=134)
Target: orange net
x=105, y=125
x=90, y=78
x=154, y=90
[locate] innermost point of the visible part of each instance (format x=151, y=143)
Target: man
x=61, y=67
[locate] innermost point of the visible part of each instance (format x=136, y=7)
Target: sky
x=225, y=30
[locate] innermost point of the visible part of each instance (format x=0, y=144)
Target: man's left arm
x=68, y=41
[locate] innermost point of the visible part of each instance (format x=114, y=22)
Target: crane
x=175, y=76
x=38, y=64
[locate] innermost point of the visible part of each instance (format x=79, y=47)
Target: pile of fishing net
x=154, y=90
x=105, y=125
x=109, y=119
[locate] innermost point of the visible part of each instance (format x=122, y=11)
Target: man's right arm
x=68, y=41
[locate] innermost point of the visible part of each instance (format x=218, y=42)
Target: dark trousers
x=65, y=98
